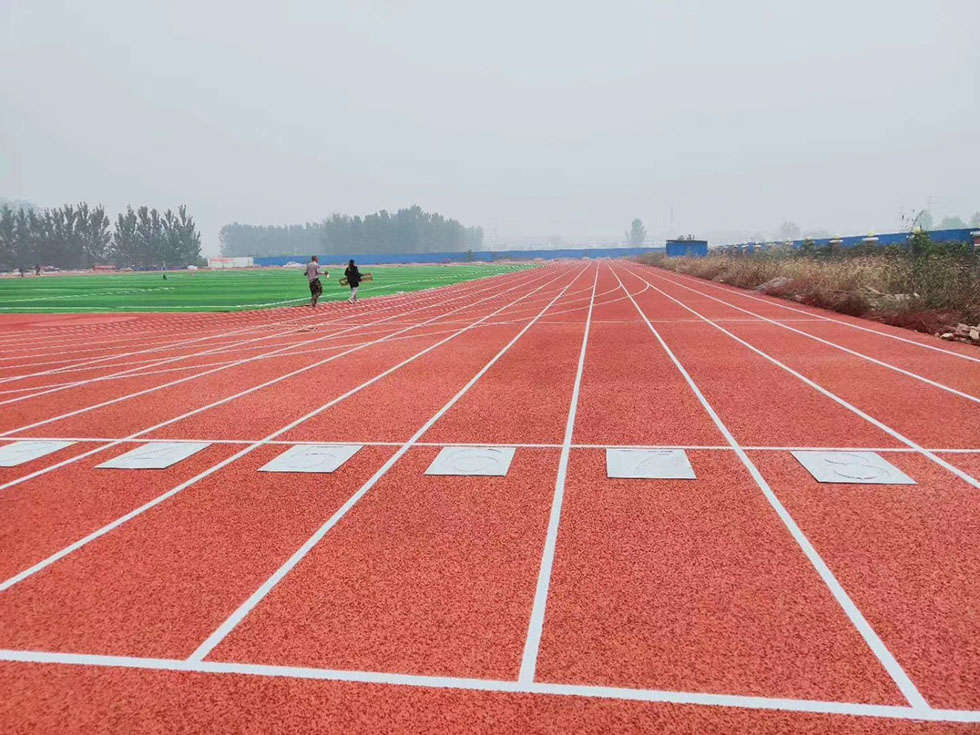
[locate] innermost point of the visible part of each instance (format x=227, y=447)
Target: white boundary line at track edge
x=848, y=350
x=532, y=641
x=254, y=358
x=134, y=371
x=516, y=445
x=311, y=316
x=71, y=548
x=256, y=597
x=496, y=685
x=874, y=642
x=822, y=317
x=966, y=477
x=247, y=391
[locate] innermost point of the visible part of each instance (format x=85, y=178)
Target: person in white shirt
x=313, y=274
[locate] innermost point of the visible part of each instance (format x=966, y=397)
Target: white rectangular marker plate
x=20, y=452
x=472, y=461
x=864, y=468
x=649, y=464
x=312, y=458
x=155, y=456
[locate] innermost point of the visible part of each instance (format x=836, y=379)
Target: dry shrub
x=926, y=292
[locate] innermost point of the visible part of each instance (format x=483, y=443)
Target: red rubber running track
x=211, y=595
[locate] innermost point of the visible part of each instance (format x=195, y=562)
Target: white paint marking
x=532, y=644
x=706, y=699
x=475, y=461
x=248, y=605
x=827, y=342
x=877, y=646
x=863, y=468
x=57, y=556
x=154, y=456
x=313, y=458
x=649, y=464
x=822, y=317
x=22, y=452
x=115, y=442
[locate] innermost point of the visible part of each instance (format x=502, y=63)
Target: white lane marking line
x=519, y=445
x=381, y=305
x=706, y=699
x=532, y=643
x=822, y=317
x=234, y=345
x=272, y=381
x=236, y=363
x=833, y=396
x=256, y=597
x=848, y=350
x=44, y=563
x=877, y=646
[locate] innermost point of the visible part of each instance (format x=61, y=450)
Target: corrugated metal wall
x=477, y=256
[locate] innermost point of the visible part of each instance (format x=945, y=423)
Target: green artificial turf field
x=203, y=290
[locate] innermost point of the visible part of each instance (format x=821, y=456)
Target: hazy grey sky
x=528, y=118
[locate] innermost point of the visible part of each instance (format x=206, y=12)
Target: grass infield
x=231, y=290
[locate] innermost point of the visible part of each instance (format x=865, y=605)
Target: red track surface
x=212, y=596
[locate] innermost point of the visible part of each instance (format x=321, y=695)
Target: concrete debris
x=774, y=284
x=963, y=333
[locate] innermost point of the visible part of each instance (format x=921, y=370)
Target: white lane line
x=378, y=303
x=877, y=646
x=833, y=396
x=848, y=350
x=133, y=372
x=7, y=584
x=787, y=307
x=232, y=345
x=227, y=399
x=532, y=643
x=256, y=597
x=706, y=699
x=519, y=445
x=238, y=363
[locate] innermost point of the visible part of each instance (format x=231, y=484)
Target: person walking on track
x=313, y=274
x=353, y=277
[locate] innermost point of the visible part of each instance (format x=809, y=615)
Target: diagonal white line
x=823, y=317
x=877, y=646
x=966, y=477
x=71, y=548
x=227, y=399
x=828, y=342
x=705, y=699
x=532, y=644
x=246, y=607
x=249, y=360
x=232, y=364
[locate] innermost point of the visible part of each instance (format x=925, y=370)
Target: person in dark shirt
x=353, y=277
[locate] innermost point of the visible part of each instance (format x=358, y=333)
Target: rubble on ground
x=962, y=333
x=774, y=284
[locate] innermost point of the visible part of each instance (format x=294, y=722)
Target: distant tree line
x=406, y=231
x=80, y=236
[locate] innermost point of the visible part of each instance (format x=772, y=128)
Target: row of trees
x=406, y=231
x=926, y=221
x=80, y=236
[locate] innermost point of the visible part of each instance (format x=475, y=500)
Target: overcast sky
x=531, y=119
